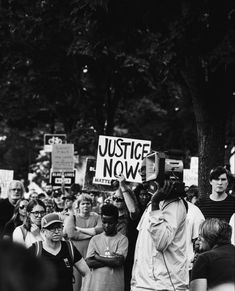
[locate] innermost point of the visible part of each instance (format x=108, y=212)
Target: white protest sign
x=190, y=177
x=6, y=176
x=62, y=157
x=120, y=155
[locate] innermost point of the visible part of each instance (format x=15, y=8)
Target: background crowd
x=126, y=240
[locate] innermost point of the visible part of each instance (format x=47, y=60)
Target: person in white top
x=232, y=223
x=30, y=231
x=160, y=261
x=194, y=219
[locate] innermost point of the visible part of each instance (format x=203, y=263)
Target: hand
x=35, y=230
x=121, y=178
x=161, y=194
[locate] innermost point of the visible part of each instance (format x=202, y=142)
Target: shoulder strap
x=24, y=231
x=38, y=248
x=71, y=251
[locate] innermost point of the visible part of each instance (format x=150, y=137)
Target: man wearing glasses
x=15, y=192
x=56, y=250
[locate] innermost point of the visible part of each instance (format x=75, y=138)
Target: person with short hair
x=106, y=254
x=218, y=204
x=214, y=267
x=15, y=192
x=80, y=226
x=56, y=251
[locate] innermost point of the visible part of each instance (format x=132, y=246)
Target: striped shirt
x=223, y=209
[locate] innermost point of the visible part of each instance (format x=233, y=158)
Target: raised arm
x=129, y=197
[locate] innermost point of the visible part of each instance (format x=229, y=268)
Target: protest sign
x=63, y=157
x=120, y=155
x=6, y=176
x=90, y=182
x=56, y=178
x=191, y=175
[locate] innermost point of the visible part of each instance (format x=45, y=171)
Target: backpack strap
x=24, y=231
x=38, y=248
x=71, y=250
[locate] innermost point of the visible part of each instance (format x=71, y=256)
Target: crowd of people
x=131, y=239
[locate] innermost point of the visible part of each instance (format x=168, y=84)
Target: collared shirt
x=160, y=261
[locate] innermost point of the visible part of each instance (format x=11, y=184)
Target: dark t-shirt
x=63, y=265
x=216, y=265
x=6, y=212
x=217, y=209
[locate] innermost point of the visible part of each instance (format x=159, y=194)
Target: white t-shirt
x=194, y=219
x=29, y=238
x=232, y=223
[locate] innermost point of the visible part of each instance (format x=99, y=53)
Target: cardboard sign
x=6, y=176
x=190, y=177
x=120, y=155
x=90, y=182
x=63, y=157
x=56, y=178
x=50, y=139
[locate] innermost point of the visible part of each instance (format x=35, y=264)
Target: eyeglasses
x=54, y=229
x=22, y=206
x=15, y=189
x=37, y=213
x=118, y=199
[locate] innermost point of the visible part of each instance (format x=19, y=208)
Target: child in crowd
x=106, y=254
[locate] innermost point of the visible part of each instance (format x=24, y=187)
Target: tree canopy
x=143, y=69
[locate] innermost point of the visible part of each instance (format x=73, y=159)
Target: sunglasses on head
x=118, y=199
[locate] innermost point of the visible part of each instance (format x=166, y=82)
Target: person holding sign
x=126, y=202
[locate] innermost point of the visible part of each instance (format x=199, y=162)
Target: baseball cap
x=50, y=219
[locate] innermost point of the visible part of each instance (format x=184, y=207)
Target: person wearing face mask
x=17, y=218
x=14, y=193
x=30, y=231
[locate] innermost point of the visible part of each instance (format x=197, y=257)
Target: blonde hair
x=216, y=231
x=83, y=197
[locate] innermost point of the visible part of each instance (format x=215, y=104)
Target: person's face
x=15, y=191
x=22, y=207
x=202, y=244
x=142, y=171
x=68, y=203
x=92, y=197
x=54, y=232
x=85, y=207
x=58, y=199
x=118, y=200
x=109, y=225
x=144, y=198
x=33, y=196
x=36, y=214
x=219, y=185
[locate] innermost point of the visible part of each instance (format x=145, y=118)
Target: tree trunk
x=211, y=101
